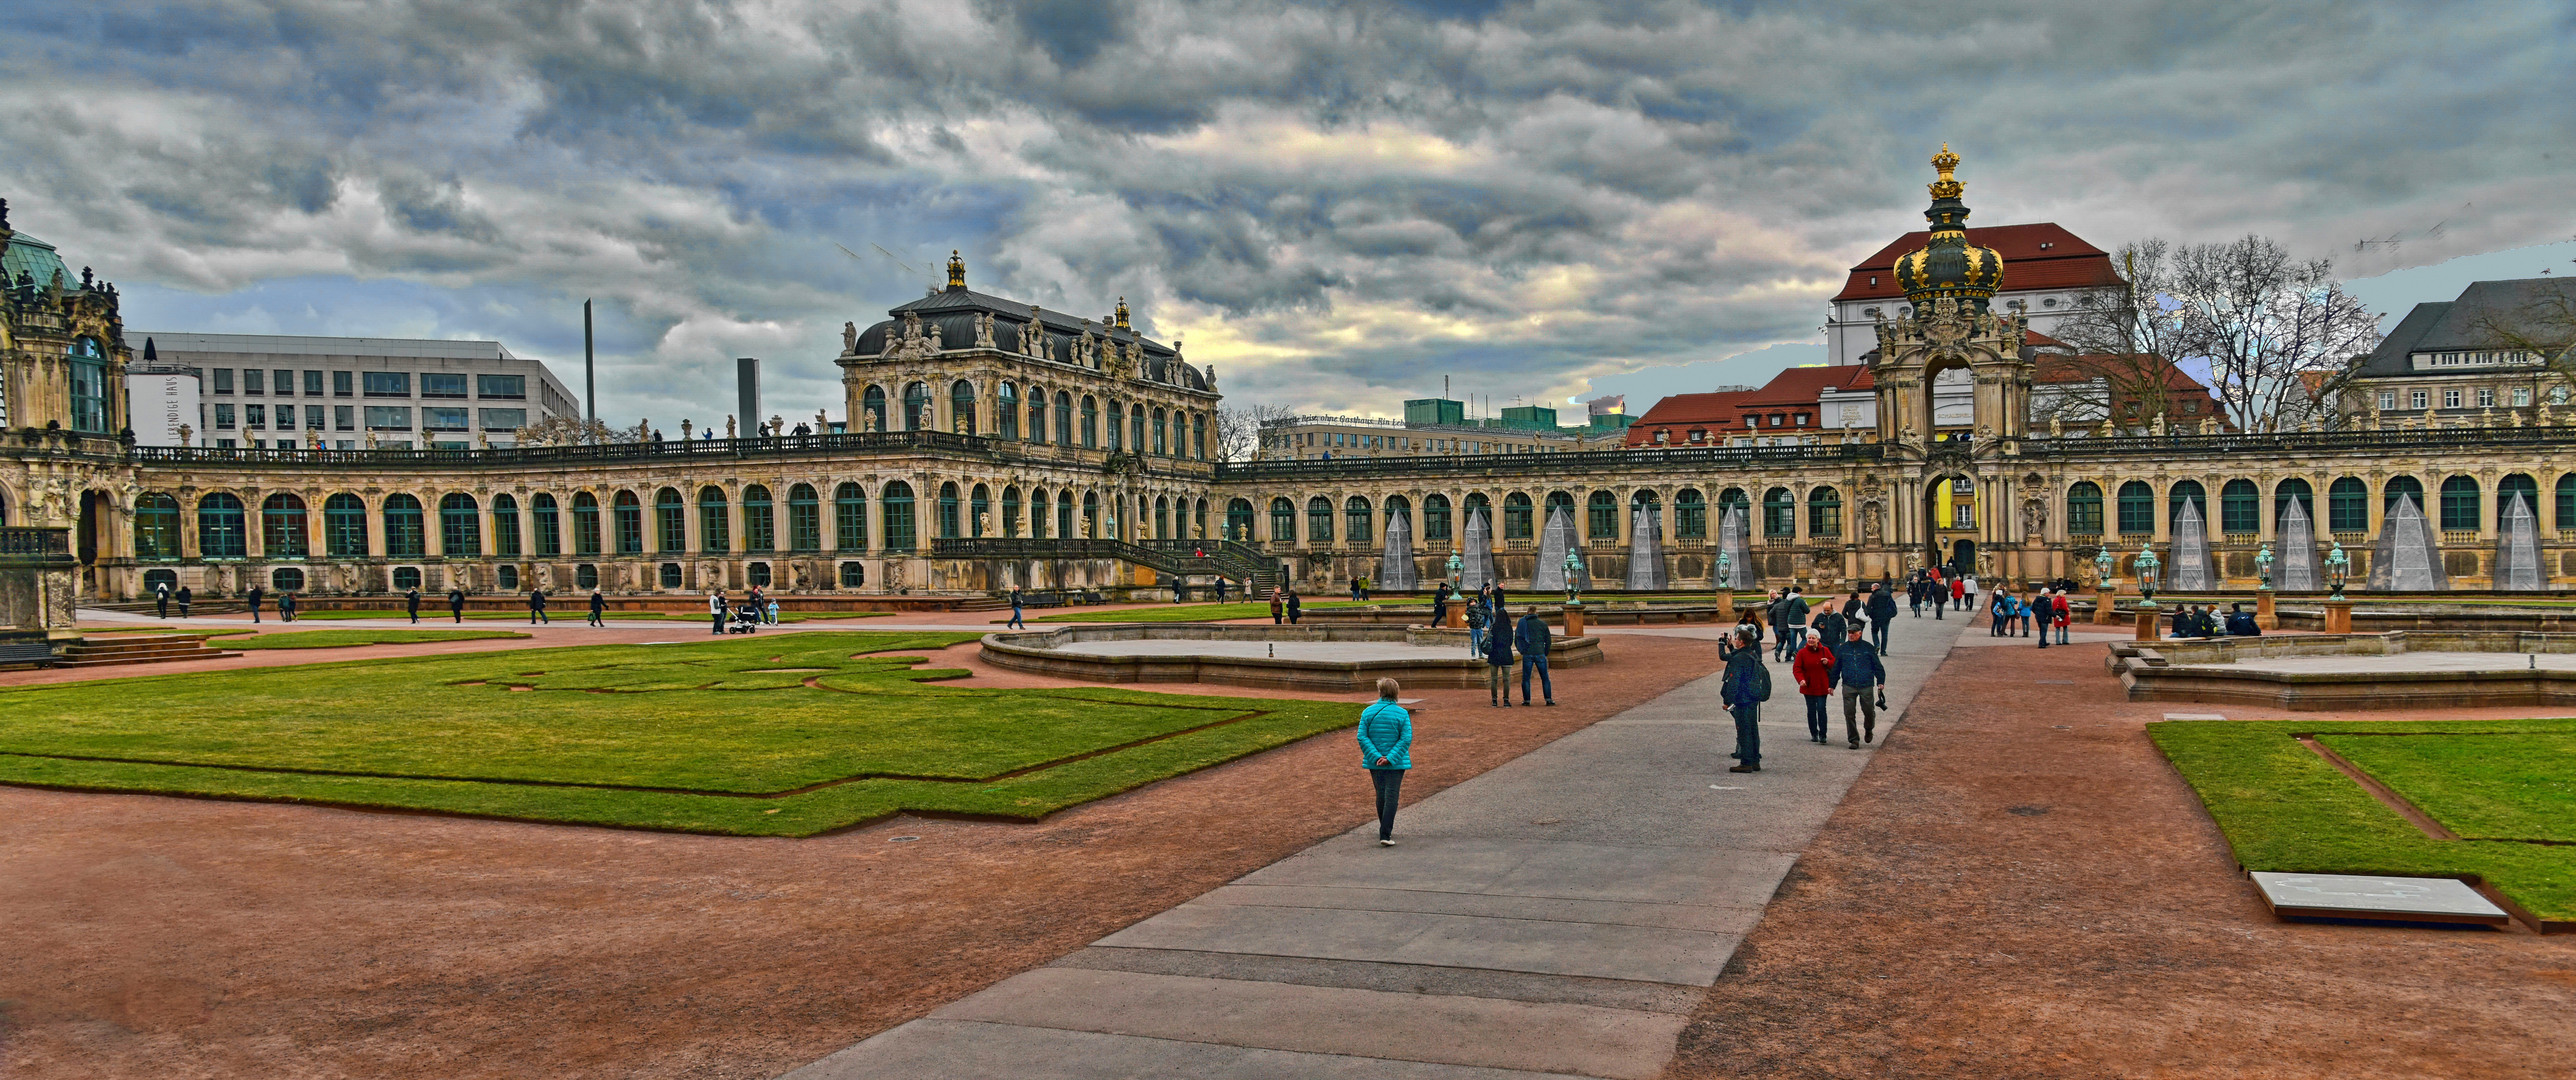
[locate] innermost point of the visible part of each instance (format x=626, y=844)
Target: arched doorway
x=91, y=536
x=1950, y=521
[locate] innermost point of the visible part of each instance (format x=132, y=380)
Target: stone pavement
x=1557, y=916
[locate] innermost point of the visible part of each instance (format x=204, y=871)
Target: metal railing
x=1528, y=464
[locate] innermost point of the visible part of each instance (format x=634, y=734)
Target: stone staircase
x=108, y=650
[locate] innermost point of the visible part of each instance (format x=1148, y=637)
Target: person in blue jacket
x=1533, y=641
x=1742, y=689
x=1863, y=678
x=1386, y=745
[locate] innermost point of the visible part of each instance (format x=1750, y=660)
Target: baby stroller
x=746, y=619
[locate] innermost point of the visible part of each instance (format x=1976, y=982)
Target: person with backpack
x=1814, y=669
x=1863, y=679
x=161, y=600
x=1743, y=688
x=1277, y=598
x=1498, y=665
x=598, y=609
x=1789, y=619
x=1476, y=628
x=286, y=606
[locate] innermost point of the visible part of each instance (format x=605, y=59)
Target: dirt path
x=176, y=938
x=2020, y=886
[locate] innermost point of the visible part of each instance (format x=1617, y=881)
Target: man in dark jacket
x=537, y=607
x=1882, y=611
x=1789, y=621
x=1739, y=689
x=2240, y=624
x=1440, y=605
x=1533, y=639
x=1857, y=668
x=255, y=594
x=185, y=597
x=456, y=603
x=598, y=608
x=1829, y=625
x=1498, y=667
x=161, y=601
x=411, y=602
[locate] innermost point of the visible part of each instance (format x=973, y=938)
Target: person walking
x=1016, y=601
x=1533, y=638
x=1743, y=688
x=1440, y=605
x=255, y=593
x=1968, y=598
x=185, y=596
x=1882, y=611
x=1914, y=595
x=598, y=609
x=1476, y=629
x=1498, y=666
x=716, y=610
x=161, y=600
x=411, y=603
x=1857, y=668
x=2064, y=608
x=1220, y=589
x=1386, y=749
x=286, y=607
x=456, y=604
x=1959, y=592
x=1277, y=600
x=1295, y=606
x=537, y=608
x=1814, y=669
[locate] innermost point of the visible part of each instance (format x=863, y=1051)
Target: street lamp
x=2103, y=563
x=2338, y=567
x=1725, y=570
x=2147, y=564
x=2263, y=566
x=1457, y=569
x=1573, y=582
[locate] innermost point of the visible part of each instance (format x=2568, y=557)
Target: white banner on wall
x=159, y=403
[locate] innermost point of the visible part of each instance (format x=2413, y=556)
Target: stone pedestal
x=1726, y=605
x=2106, y=607
x=2264, y=614
x=1574, y=620
x=2338, y=616
x=2147, y=621
x=1457, y=617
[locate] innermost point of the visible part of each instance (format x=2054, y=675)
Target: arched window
x=872, y=402
x=460, y=526
x=979, y=506
x=1690, y=514
x=2348, y=505
x=1090, y=423
x=670, y=522
x=220, y=527
x=1198, y=436
x=1117, y=427
x=548, y=517
x=2084, y=509
x=281, y=527
x=804, y=519
x=947, y=521
x=406, y=528
x=1091, y=515
x=344, y=526
x=715, y=531
x=89, y=389
x=505, y=526
x=849, y=518
x=2562, y=516
x=2290, y=491
x=895, y=499
x=1734, y=501
x=1436, y=528
x=1160, y=447
x=1355, y=518
x=156, y=527
x=1238, y=521
x=916, y=408
x=1779, y=514
x=2186, y=493
x=2406, y=487
x=1559, y=502
x=1006, y=411
x=2460, y=504
x=2240, y=507
x=1063, y=419
x=961, y=407
x=1198, y=520
x=1064, y=514
x=1163, y=519
x=1037, y=414
x=1601, y=516
x=1824, y=512
x=1283, y=520
x=2137, y=509
x=2512, y=485
x=1319, y=521
x=627, y=509
x=1475, y=507
x=1517, y=517
x=1010, y=511
x=759, y=520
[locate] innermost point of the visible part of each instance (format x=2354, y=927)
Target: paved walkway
x=1557, y=916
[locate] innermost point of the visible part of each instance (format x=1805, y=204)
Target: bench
x=37, y=653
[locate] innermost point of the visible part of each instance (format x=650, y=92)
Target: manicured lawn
x=340, y=639
x=2284, y=808
x=1201, y=612
x=788, y=736
x=560, y=611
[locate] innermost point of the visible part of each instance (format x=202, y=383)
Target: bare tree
x=1238, y=429
x=2119, y=339
x=2543, y=328
x=2279, y=335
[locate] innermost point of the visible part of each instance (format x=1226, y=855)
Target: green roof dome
x=36, y=259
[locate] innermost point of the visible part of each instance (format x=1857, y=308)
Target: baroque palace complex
x=986, y=443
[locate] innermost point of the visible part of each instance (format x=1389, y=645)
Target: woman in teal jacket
x=1386, y=740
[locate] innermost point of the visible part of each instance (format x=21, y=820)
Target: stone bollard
x=1726, y=605
x=1457, y=617
x=2265, y=615
x=1574, y=620
x=2147, y=623
x=2338, y=616
x=2106, y=607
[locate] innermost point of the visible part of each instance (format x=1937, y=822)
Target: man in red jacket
x=1814, y=668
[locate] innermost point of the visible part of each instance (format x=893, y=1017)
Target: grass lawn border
x=2284, y=808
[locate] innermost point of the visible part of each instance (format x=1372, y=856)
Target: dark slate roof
x=953, y=311
x=2459, y=324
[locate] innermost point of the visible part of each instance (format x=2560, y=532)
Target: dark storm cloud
x=1334, y=202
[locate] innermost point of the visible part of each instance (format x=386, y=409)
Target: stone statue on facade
x=1872, y=523
x=984, y=330
x=868, y=422
x=849, y=339
x=2034, y=518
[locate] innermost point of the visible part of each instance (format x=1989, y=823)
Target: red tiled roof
x=2036, y=256
x=1800, y=385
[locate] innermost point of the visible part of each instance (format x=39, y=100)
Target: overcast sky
x=1336, y=205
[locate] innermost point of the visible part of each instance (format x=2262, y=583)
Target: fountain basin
x=2394, y=670
x=1332, y=659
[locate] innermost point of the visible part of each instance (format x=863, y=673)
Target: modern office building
x=349, y=393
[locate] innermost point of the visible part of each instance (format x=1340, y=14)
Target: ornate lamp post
x=1457, y=569
x=2338, y=568
x=2263, y=566
x=1573, y=583
x=1725, y=570
x=2103, y=563
x=2147, y=564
